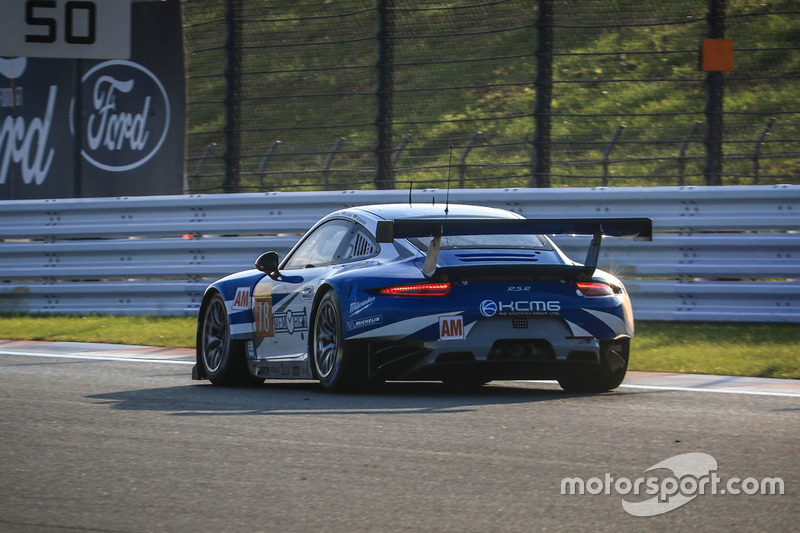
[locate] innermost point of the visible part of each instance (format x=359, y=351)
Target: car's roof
x=401, y=211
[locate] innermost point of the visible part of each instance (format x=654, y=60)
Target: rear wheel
x=337, y=369
x=223, y=359
x=604, y=377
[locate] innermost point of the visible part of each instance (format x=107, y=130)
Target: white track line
x=100, y=358
x=179, y=362
x=687, y=389
x=720, y=391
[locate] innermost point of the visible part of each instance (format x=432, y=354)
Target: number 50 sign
x=88, y=29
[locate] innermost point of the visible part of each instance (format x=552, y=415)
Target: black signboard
x=131, y=123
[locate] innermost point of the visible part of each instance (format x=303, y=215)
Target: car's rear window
x=486, y=242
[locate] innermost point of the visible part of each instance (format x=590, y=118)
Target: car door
x=282, y=305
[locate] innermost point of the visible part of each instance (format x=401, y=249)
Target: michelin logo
x=364, y=322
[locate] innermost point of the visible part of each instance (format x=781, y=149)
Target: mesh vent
x=362, y=247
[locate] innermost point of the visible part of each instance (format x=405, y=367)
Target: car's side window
x=320, y=247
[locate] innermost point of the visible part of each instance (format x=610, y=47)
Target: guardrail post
x=400, y=149
x=326, y=172
x=757, y=152
x=462, y=166
x=264, y=162
x=206, y=152
x=607, y=152
x=682, y=152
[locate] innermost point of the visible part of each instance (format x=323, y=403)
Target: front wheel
x=337, y=369
x=223, y=359
x=608, y=375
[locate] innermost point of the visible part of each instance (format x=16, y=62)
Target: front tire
x=337, y=369
x=223, y=359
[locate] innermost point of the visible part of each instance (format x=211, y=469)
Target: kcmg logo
x=488, y=308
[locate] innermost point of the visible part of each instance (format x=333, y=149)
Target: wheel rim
x=215, y=335
x=326, y=339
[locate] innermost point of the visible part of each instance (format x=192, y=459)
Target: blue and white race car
x=459, y=294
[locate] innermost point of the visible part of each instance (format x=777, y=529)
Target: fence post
x=544, y=94
x=757, y=152
x=384, y=176
x=233, y=64
x=714, y=96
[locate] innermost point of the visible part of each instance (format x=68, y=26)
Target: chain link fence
x=324, y=95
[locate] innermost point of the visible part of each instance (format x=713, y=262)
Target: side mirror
x=267, y=262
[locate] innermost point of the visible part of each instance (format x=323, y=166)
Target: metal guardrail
x=155, y=255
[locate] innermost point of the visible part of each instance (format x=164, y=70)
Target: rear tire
x=224, y=361
x=337, y=369
x=606, y=375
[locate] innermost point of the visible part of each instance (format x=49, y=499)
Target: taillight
x=419, y=289
x=591, y=288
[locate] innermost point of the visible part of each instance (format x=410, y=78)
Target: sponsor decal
x=451, y=328
x=354, y=216
x=364, y=322
x=519, y=288
x=241, y=302
x=490, y=308
x=129, y=114
x=262, y=310
x=357, y=307
x=290, y=321
x=26, y=144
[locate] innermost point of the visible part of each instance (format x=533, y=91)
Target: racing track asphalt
x=113, y=438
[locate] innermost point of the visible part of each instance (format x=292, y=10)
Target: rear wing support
x=641, y=229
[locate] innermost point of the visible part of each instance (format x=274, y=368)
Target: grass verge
x=762, y=350
x=731, y=349
x=171, y=332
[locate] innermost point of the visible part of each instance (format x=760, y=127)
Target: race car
x=453, y=293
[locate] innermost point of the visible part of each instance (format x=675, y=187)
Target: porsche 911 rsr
x=459, y=294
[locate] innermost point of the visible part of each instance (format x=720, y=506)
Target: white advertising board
x=85, y=29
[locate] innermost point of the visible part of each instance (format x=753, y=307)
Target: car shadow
x=297, y=398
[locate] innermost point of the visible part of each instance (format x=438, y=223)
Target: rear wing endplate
x=641, y=229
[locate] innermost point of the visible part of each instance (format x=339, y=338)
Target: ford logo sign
x=488, y=308
x=126, y=115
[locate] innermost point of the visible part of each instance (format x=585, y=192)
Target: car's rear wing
x=641, y=229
